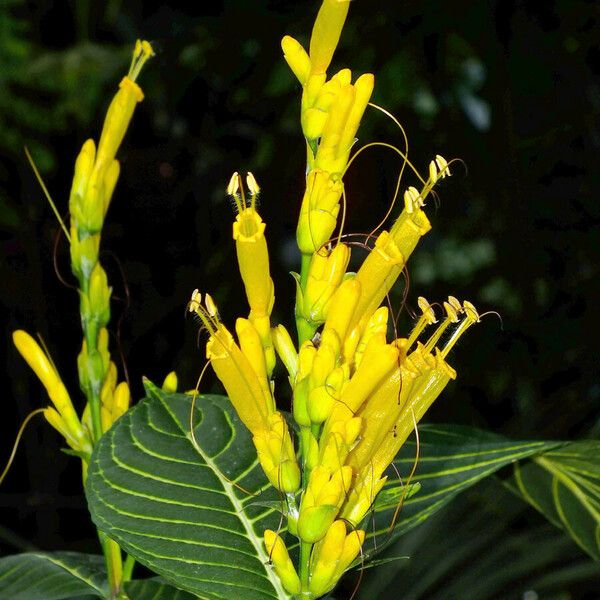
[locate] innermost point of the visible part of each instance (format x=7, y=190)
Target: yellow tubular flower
x=280, y=558
x=253, y=260
x=233, y=368
x=121, y=108
x=252, y=348
x=381, y=411
x=241, y=383
x=362, y=494
x=377, y=275
x=377, y=363
x=276, y=455
x=34, y=356
x=326, y=33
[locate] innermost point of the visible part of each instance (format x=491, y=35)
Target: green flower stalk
x=96, y=174
x=94, y=181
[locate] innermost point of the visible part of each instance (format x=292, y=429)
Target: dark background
x=511, y=87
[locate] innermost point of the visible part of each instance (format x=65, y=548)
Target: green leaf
x=391, y=496
x=180, y=508
x=564, y=485
x=52, y=576
x=450, y=460
x=155, y=589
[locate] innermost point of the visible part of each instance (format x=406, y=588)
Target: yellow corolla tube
x=242, y=371
x=282, y=563
x=276, y=455
x=64, y=419
x=326, y=33
x=332, y=556
x=253, y=261
x=121, y=108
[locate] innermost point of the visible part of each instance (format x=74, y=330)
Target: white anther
x=195, y=301
x=210, y=305
x=252, y=185
x=234, y=185
x=427, y=310
x=442, y=163
x=451, y=312
x=471, y=311
x=454, y=302
x=412, y=199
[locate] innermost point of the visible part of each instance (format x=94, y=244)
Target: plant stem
x=128, y=568
x=304, y=268
x=114, y=564
x=305, y=549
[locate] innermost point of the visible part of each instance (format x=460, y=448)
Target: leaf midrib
x=262, y=555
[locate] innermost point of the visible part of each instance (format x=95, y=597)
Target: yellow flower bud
x=108, y=387
x=322, y=399
x=296, y=57
x=169, y=384
x=352, y=545
x=276, y=455
x=377, y=324
x=54, y=418
x=321, y=501
x=284, y=567
x=327, y=269
x=343, y=306
x=333, y=131
x=314, y=522
x=319, y=210
x=105, y=418
x=83, y=170
x=326, y=33
x=30, y=350
x=324, y=363
x=378, y=361
x=337, y=443
x=99, y=296
x=325, y=557
x=84, y=253
x=282, y=341
x=306, y=357
x=363, y=89
x=121, y=400
x=300, y=402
